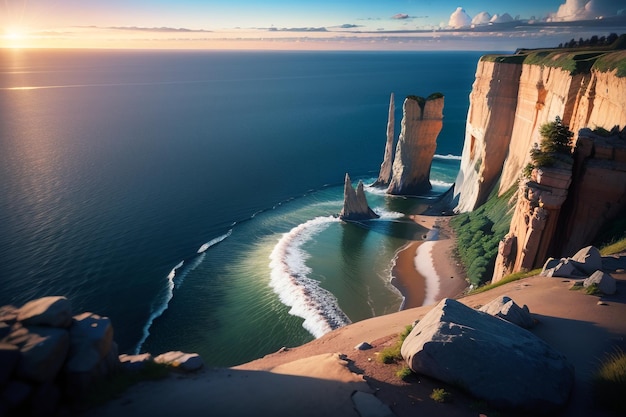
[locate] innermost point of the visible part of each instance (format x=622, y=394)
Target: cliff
x=561, y=208
x=513, y=96
x=422, y=120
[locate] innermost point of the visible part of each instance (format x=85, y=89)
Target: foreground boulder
x=494, y=360
x=605, y=282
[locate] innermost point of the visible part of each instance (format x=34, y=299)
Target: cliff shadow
x=397, y=228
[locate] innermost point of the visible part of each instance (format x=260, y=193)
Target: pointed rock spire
x=384, y=177
x=355, y=205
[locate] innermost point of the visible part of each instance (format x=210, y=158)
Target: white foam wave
x=448, y=156
x=174, y=280
x=318, y=307
x=215, y=241
x=424, y=265
x=387, y=214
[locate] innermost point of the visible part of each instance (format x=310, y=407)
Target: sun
x=13, y=36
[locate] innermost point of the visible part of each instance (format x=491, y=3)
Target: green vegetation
x=441, y=395
x=404, y=373
x=612, y=237
x=508, y=278
x=554, y=149
x=604, y=53
x=116, y=384
x=422, y=101
x=479, y=233
x=593, y=289
x=609, y=384
x=392, y=353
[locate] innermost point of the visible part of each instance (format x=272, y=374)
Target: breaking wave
x=289, y=279
x=448, y=156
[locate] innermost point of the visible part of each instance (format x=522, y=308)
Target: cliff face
x=493, y=101
x=504, y=120
x=421, y=123
x=558, y=210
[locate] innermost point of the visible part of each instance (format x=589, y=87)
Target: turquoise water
x=190, y=196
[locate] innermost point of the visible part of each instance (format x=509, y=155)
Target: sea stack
x=384, y=177
x=355, y=205
x=422, y=120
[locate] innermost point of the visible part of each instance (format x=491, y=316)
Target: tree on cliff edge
x=556, y=137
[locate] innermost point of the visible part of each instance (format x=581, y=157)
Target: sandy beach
x=426, y=271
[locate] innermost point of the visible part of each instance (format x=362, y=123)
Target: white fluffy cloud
x=481, y=18
x=584, y=10
x=501, y=18
x=459, y=18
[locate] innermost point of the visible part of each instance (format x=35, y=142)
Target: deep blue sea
x=190, y=196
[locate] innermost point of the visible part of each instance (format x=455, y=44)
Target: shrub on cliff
x=556, y=141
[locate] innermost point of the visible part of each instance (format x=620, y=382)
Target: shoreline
x=426, y=271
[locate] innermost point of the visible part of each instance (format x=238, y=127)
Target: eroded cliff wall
x=510, y=100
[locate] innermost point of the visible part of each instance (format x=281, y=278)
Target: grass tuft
x=441, y=395
x=392, y=353
x=609, y=384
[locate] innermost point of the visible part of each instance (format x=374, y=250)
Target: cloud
x=459, y=19
x=481, y=18
x=501, y=18
x=155, y=29
x=400, y=16
x=573, y=10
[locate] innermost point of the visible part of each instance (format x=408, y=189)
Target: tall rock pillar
x=422, y=120
x=384, y=177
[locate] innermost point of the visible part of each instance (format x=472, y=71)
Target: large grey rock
x=187, y=362
x=605, y=282
x=91, y=337
x=589, y=259
x=491, y=358
x=54, y=311
x=8, y=314
x=505, y=308
x=355, y=205
x=43, y=351
x=563, y=268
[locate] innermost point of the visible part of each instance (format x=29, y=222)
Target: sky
x=305, y=24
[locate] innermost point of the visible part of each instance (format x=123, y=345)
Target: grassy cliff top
x=575, y=60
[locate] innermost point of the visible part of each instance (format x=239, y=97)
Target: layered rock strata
x=490, y=117
x=422, y=121
x=384, y=177
x=510, y=100
x=559, y=210
x=355, y=205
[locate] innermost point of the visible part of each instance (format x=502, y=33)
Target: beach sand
x=422, y=264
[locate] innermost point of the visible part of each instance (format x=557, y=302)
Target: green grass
x=113, y=386
x=392, y=353
x=611, y=62
x=478, y=234
x=441, y=395
x=505, y=280
x=617, y=247
x=609, y=384
x=404, y=373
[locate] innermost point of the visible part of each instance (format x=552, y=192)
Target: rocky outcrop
x=510, y=100
x=560, y=209
x=384, y=177
x=494, y=360
x=422, y=121
x=50, y=359
x=355, y=205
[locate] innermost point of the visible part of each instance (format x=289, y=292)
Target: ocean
x=192, y=196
